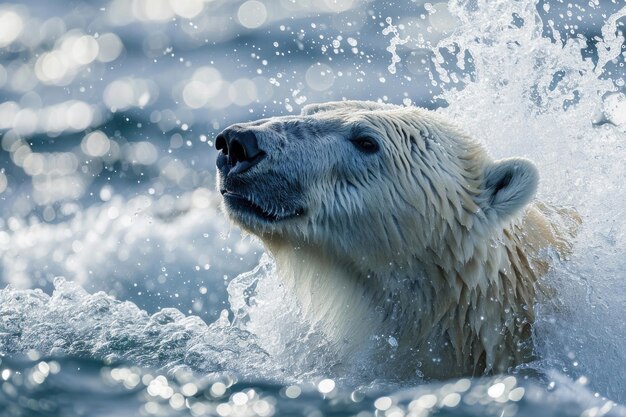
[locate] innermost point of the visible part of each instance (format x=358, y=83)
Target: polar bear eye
x=365, y=144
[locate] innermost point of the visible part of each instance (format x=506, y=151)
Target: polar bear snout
x=238, y=150
x=256, y=193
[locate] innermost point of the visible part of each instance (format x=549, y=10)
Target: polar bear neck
x=332, y=296
x=361, y=314
x=462, y=314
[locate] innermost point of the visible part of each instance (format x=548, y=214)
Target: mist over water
x=127, y=207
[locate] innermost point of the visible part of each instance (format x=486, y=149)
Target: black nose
x=239, y=148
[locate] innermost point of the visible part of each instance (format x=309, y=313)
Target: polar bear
x=390, y=224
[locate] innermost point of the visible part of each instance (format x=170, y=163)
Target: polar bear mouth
x=242, y=203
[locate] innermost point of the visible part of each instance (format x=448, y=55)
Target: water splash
x=72, y=322
x=610, y=45
x=393, y=44
x=262, y=305
x=262, y=338
x=530, y=92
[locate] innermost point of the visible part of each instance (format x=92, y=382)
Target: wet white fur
x=432, y=245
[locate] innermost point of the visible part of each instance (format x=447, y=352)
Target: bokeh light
x=124, y=93
x=252, y=14
x=95, y=144
x=319, y=77
x=11, y=26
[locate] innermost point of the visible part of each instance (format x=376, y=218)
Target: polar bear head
x=374, y=183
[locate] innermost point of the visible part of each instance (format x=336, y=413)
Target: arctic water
x=126, y=292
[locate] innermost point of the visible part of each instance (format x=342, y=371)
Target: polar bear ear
x=311, y=109
x=510, y=184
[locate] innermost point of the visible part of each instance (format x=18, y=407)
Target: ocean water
x=126, y=292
